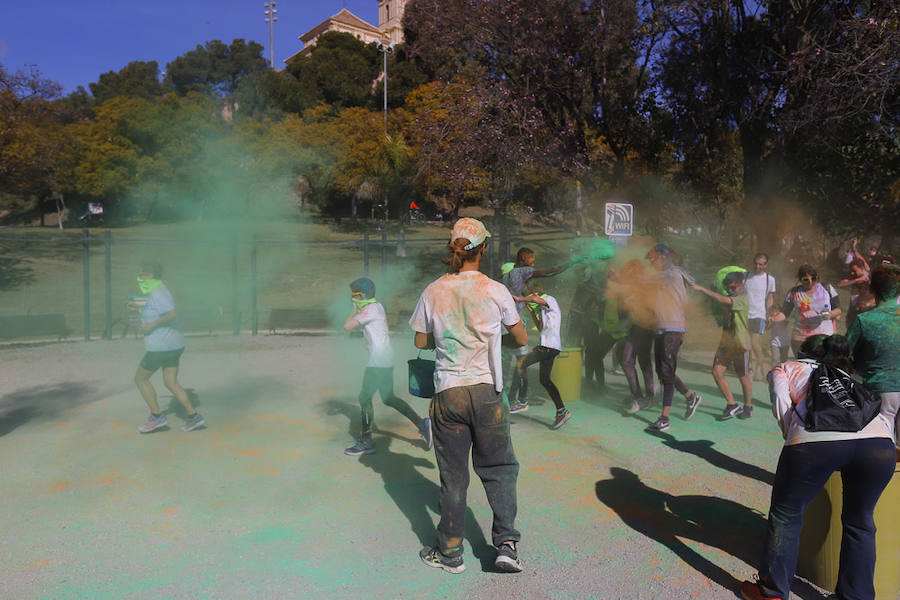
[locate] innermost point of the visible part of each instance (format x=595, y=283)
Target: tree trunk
x=60, y=210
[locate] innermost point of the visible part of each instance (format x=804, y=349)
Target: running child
x=548, y=318
x=671, y=300
x=515, y=281
x=734, y=347
x=369, y=314
x=164, y=344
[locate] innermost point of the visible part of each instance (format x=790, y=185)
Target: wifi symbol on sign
x=618, y=219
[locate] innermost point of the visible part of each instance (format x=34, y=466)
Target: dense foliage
x=716, y=112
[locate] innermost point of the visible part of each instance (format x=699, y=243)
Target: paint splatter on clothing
x=465, y=312
x=874, y=338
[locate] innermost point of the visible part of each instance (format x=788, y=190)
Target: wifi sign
x=619, y=218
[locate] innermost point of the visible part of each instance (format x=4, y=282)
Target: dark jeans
x=665, y=352
x=545, y=356
x=866, y=467
x=638, y=346
x=381, y=379
x=473, y=416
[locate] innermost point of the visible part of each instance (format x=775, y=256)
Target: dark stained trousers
x=638, y=346
x=473, y=417
x=866, y=467
x=381, y=379
x=665, y=352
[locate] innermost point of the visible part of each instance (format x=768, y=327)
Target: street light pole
x=386, y=47
x=271, y=11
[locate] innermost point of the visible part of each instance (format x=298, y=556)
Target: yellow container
x=566, y=374
x=820, y=541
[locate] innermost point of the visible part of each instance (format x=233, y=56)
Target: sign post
x=619, y=222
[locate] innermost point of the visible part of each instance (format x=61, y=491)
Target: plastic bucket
x=421, y=377
x=566, y=374
x=820, y=540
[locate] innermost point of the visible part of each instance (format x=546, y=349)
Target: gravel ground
x=262, y=503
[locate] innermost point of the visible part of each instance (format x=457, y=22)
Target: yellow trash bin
x=566, y=374
x=820, y=541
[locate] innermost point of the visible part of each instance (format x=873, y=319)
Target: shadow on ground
x=42, y=402
x=716, y=522
x=415, y=495
x=704, y=449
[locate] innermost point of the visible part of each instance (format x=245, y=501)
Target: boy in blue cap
x=369, y=314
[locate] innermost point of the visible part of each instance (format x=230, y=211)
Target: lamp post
x=271, y=11
x=386, y=47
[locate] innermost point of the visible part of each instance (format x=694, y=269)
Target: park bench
x=193, y=320
x=26, y=326
x=298, y=318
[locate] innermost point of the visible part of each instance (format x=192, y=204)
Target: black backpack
x=835, y=402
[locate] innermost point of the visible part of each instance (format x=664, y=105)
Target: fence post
x=254, y=310
x=383, y=253
x=235, y=314
x=492, y=271
x=107, y=276
x=86, y=259
x=366, y=253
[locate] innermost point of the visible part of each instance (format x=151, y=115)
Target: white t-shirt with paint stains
x=373, y=320
x=551, y=318
x=466, y=313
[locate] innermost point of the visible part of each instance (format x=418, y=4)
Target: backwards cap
x=469, y=229
x=365, y=286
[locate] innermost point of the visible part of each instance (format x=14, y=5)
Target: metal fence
x=77, y=283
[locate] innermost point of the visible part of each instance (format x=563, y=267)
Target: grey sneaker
x=746, y=412
x=425, y=432
x=153, y=423
x=661, y=424
x=433, y=558
x=692, y=405
x=193, y=423
x=508, y=558
x=729, y=411
x=518, y=406
x=638, y=405
x=362, y=446
x=561, y=418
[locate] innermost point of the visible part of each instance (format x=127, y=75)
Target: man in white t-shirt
x=548, y=318
x=760, y=289
x=462, y=315
x=369, y=314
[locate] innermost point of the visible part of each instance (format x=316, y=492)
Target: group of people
x=476, y=325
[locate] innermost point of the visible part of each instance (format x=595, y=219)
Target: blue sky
x=74, y=41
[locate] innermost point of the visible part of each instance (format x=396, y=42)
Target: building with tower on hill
x=390, y=16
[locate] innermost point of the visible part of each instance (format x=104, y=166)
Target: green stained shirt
x=738, y=335
x=875, y=344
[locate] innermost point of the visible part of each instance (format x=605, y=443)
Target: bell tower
x=390, y=17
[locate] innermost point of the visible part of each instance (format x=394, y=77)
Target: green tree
x=137, y=79
x=36, y=150
x=339, y=70
x=215, y=68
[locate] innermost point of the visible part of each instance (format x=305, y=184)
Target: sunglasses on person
x=809, y=279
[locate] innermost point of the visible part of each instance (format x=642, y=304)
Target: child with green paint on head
x=545, y=312
x=369, y=315
x=164, y=344
x=734, y=348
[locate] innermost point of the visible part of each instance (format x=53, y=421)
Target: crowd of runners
x=478, y=327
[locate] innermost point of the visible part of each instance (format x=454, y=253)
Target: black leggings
x=545, y=356
x=381, y=379
x=638, y=347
